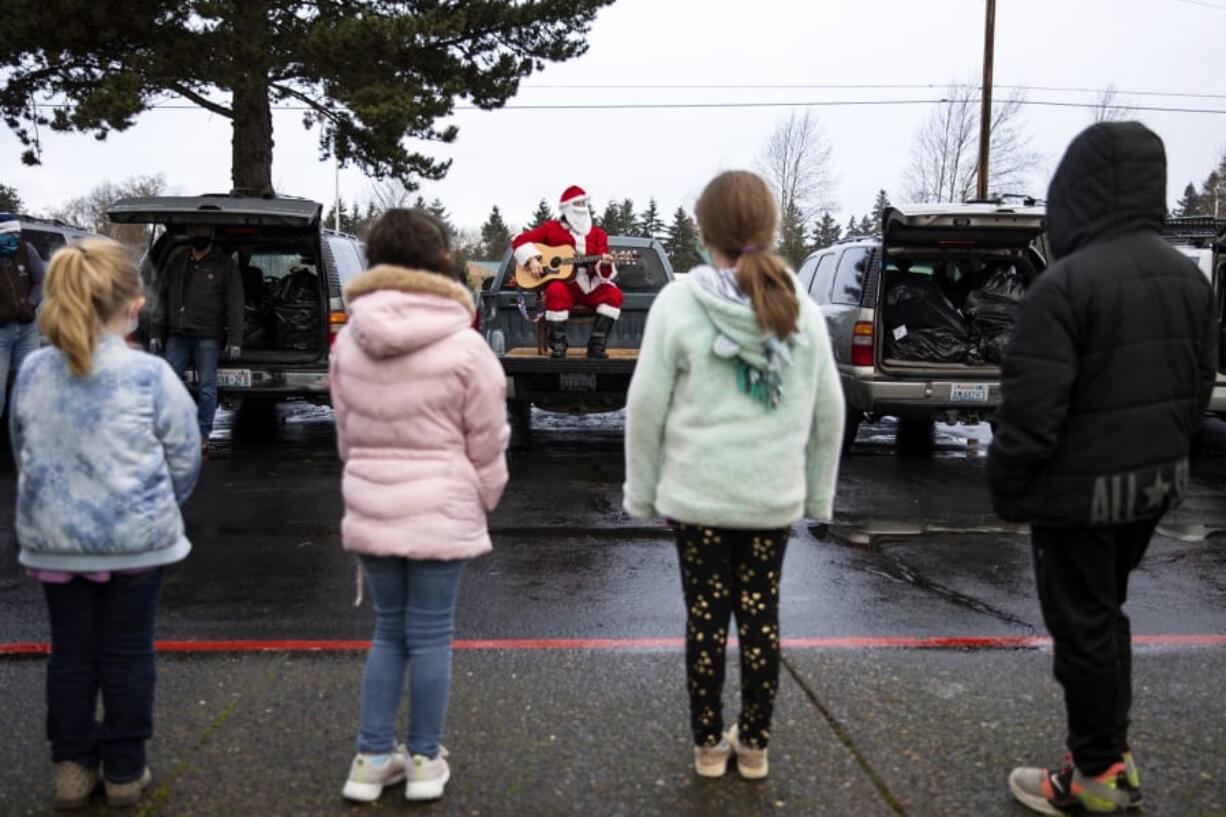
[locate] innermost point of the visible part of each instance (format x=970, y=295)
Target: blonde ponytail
x=737, y=215
x=87, y=284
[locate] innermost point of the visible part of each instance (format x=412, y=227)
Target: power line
x=1204, y=3
x=827, y=103
x=927, y=86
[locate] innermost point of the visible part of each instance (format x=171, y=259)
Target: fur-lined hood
x=395, y=311
x=402, y=279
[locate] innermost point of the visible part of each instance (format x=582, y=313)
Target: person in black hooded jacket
x=1104, y=384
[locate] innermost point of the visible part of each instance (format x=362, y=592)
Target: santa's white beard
x=579, y=219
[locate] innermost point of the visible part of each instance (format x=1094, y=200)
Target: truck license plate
x=577, y=382
x=234, y=378
x=977, y=393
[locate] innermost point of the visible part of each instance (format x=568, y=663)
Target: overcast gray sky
x=513, y=158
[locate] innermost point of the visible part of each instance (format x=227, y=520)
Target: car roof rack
x=1001, y=198
x=52, y=222
x=1198, y=230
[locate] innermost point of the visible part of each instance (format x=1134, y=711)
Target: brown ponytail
x=737, y=216
x=87, y=284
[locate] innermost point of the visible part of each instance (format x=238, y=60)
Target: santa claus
x=592, y=286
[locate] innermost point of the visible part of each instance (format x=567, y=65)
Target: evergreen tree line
x=1209, y=200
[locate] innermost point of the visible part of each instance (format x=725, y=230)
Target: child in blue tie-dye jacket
x=107, y=447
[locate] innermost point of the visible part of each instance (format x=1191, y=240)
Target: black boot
x=557, y=339
x=600, y=338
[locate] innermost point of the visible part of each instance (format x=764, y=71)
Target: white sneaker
x=427, y=778
x=367, y=779
x=712, y=761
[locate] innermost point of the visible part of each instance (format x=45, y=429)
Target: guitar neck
x=579, y=260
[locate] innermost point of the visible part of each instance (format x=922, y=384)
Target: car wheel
x=916, y=436
x=851, y=428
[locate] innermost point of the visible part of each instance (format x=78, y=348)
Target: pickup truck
x=574, y=385
x=1203, y=240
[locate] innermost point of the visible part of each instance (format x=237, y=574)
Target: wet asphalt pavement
x=914, y=553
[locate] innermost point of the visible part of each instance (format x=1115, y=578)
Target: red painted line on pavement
x=513, y=644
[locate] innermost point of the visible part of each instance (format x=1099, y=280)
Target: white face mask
x=578, y=217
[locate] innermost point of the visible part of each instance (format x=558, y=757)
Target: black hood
x=1112, y=180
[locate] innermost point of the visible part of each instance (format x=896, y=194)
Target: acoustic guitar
x=561, y=263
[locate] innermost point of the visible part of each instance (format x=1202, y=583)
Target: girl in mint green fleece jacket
x=733, y=432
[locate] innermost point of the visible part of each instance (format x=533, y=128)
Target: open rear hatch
x=951, y=280
x=276, y=245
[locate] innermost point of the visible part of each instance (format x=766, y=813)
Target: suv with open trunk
x=293, y=272
x=919, y=316
x=1202, y=239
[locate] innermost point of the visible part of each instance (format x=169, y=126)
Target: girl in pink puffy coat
x=420, y=404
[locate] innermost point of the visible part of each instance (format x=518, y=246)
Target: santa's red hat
x=571, y=193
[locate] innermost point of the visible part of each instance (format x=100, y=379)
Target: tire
x=851, y=428
x=916, y=437
x=521, y=423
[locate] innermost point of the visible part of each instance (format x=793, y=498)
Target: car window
x=805, y=273
x=349, y=260
x=45, y=242
x=849, y=277
x=820, y=288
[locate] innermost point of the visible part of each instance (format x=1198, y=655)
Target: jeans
x=102, y=641
x=1082, y=578
x=414, y=620
x=723, y=570
x=17, y=341
x=181, y=352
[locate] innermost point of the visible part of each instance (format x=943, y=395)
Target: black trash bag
x=991, y=310
x=294, y=304
x=922, y=324
x=255, y=327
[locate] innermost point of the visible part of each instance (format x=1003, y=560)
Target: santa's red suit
x=591, y=286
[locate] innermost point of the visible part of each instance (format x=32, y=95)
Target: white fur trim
x=557, y=317
x=609, y=311
x=525, y=253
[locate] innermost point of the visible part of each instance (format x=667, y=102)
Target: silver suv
x=1202, y=240
x=920, y=314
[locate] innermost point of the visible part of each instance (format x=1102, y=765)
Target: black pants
x=1082, y=577
x=723, y=570
x=102, y=642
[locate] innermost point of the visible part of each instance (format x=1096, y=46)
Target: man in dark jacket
x=1105, y=382
x=199, y=307
x=21, y=281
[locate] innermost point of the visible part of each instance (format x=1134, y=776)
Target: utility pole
x=985, y=95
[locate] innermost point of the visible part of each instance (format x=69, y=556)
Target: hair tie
x=748, y=248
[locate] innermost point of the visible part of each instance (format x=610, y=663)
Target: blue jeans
x=414, y=620
x=181, y=352
x=17, y=340
x=102, y=641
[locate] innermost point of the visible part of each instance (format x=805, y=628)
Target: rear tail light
x=337, y=318
x=862, y=344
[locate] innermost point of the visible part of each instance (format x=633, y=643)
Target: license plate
x=977, y=393
x=577, y=382
x=234, y=378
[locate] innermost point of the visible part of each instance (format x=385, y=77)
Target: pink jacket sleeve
x=485, y=425
x=339, y=409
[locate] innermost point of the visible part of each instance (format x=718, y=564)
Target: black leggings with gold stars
x=721, y=570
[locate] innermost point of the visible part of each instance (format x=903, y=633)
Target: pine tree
x=1189, y=204
x=867, y=225
x=792, y=234
x=826, y=232
x=681, y=243
x=879, y=207
x=10, y=202
x=649, y=223
x=542, y=215
x=439, y=211
x=627, y=221
x=495, y=235
x=853, y=228
x=611, y=219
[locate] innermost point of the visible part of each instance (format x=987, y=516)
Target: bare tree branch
x=796, y=162
x=203, y=101
x=1109, y=106
x=944, y=163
